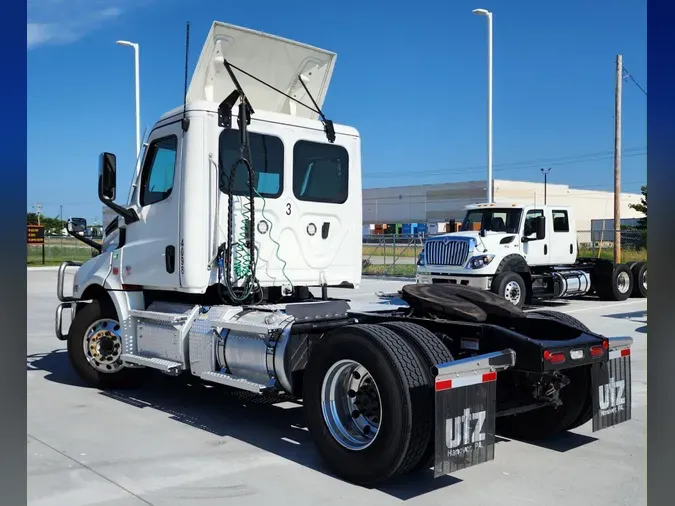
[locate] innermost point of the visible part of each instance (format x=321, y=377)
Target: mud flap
x=611, y=383
x=466, y=407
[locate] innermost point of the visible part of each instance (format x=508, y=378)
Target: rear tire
x=511, y=286
x=615, y=284
x=94, y=348
x=564, y=318
x=639, y=272
x=398, y=416
x=430, y=351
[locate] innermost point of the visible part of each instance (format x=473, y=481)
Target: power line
x=630, y=76
x=518, y=166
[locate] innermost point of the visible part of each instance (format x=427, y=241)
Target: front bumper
x=429, y=277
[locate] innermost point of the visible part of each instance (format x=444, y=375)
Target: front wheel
x=95, y=348
x=511, y=286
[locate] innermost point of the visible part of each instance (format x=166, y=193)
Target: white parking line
x=590, y=308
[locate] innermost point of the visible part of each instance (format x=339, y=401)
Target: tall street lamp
x=138, y=98
x=488, y=15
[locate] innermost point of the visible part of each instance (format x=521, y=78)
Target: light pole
x=138, y=98
x=488, y=15
x=545, y=173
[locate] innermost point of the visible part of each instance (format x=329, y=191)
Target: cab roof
x=510, y=204
x=205, y=106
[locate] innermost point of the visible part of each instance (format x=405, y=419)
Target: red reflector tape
x=489, y=376
x=625, y=353
x=443, y=385
x=466, y=381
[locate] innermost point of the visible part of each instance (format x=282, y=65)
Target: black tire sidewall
x=638, y=271
x=385, y=454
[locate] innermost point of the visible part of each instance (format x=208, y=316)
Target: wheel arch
x=122, y=301
x=516, y=263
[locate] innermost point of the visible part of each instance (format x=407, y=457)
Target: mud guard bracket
x=466, y=407
x=611, y=383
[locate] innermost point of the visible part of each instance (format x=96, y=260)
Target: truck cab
x=305, y=212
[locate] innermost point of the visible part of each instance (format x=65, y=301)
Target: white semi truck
x=244, y=213
x=525, y=253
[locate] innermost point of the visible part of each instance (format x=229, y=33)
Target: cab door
x=149, y=256
x=536, y=251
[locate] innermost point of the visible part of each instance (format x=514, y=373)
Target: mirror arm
x=85, y=240
x=130, y=216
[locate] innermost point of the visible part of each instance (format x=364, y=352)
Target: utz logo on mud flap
x=612, y=397
x=464, y=434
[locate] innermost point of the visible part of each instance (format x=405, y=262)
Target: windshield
x=493, y=220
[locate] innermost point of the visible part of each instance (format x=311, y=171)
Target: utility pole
x=38, y=211
x=61, y=216
x=617, y=160
x=545, y=173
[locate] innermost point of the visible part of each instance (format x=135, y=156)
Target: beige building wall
x=443, y=202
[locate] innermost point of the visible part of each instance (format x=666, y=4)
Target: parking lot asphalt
x=170, y=443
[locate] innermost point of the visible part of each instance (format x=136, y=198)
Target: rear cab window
x=267, y=162
x=561, y=221
x=320, y=172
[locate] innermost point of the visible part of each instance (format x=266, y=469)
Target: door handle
x=170, y=259
x=324, y=230
x=545, y=249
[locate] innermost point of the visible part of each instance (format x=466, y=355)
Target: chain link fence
x=396, y=255
x=57, y=249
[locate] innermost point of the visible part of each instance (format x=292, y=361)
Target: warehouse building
x=439, y=205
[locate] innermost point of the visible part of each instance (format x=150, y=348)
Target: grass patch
x=400, y=250
x=390, y=270
x=55, y=255
x=627, y=255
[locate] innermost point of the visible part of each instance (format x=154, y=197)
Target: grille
x=439, y=252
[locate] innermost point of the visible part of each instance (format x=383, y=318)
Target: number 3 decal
x=288, y=208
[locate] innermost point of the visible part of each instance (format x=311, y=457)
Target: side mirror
x=541, y=228
x=76, y=225
x=107, y=177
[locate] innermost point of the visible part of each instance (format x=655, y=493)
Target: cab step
x=154, y=363
x=235, y=382
x=172, y=318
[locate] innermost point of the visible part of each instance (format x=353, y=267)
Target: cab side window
x=561, y=222
x=159, y=170
x=531, y=222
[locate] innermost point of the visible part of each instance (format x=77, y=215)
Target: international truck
x=525, y=253
x=243, y=215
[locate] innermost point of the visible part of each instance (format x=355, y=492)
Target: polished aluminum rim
x=644, y=279
x=351, y=406
x=512, y=292
x=103, y=345
x=623, y=282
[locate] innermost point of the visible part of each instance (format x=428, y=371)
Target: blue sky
x=554, y=68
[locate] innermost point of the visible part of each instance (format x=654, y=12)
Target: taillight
x=554, y=358
x=597, y=351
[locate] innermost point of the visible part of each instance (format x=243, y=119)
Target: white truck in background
x=525, y=253
x=244, y=213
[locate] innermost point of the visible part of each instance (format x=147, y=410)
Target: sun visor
x=277, y=61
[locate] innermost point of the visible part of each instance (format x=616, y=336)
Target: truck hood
x=277, y=61
x=491, y=241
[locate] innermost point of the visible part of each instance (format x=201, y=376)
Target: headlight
x=480, y=261
x=420, y=259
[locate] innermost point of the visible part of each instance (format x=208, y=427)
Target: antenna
x=185, y=123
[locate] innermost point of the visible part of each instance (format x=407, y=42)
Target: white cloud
x=66, y=21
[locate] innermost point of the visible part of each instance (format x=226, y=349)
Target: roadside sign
x=36, y=234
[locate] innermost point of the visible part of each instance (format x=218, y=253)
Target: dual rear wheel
x=369, y=399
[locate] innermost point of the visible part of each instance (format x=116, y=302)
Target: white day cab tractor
x=525, y=253
x=245, y=210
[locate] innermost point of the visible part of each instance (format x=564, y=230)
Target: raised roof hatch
x=274, y=60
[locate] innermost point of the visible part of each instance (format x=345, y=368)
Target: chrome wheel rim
x=102, y=346
x=351, y=405
x=623, y=282
x=644, y=279
x=512, y=292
